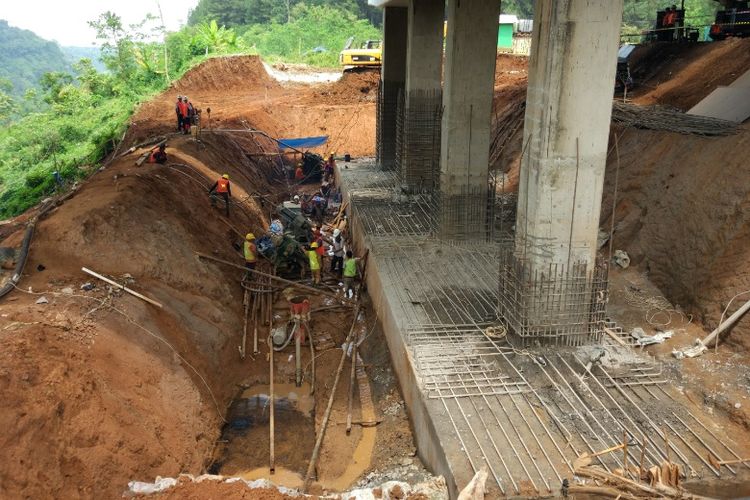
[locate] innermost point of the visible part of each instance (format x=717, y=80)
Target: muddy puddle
x=243, y=449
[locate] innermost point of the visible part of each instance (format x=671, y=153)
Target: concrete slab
x=726, y=103
x=474, y=400
x=742, y=81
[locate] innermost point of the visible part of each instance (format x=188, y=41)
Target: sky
x=66, y=21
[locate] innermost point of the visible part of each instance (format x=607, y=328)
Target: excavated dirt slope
x=100, y=387
x=682, y=199
x=238, y=90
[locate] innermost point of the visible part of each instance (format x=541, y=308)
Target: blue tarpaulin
x=302, y=142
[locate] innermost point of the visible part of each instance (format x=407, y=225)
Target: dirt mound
x=240, y=93
x=681, y=75
x=683, y=217
x=96, y=395
x=226, y=74
x=355, y=86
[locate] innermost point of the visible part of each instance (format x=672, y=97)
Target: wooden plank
x=123, y=287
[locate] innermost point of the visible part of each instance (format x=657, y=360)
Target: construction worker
x=299, y=174
x=187, y=116
x=223, y=189
x=337, y=245
x=182, y=110
x=314, y=260
x=250, y=250
x=158, y=155
x=177, y=111
x=350, y=273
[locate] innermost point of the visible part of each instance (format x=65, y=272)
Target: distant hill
x=25, y=57
x=74, y=54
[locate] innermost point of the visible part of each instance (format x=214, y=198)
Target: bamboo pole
x=726, y=324
x=123, y=287
x=351, y=385
x=327, y=414
x=255, y=323
x=246, y=305
x=280, y=280
x=271, y=428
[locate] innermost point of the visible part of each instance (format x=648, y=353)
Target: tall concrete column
x=470, y=53
x=392, y=79
x=419, y=154
x=550, y=289
x=566, y=129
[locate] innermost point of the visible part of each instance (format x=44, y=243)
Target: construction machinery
x=367, y=54
x=734, y=20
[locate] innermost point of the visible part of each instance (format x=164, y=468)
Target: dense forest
x=24, y=59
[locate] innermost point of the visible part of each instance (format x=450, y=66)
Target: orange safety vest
x=223, y=185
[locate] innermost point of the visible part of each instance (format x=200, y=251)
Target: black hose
x=21, y=263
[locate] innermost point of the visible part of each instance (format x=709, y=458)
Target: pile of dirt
x=682, y=74
x=353, y=86
x=508, y=108
x=683, y=217
x=240, y=94
x=226, y=74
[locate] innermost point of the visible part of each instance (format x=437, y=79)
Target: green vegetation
x=237, y=13
x=86, y=111
x=315, y=35
x=24, y=58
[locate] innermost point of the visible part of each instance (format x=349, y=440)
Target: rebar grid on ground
x=525, y=414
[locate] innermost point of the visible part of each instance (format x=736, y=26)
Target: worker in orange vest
x=158, y=155
x=223, y=189
x=299, y=174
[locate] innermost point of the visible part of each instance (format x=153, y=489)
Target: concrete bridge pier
x=392, y=80
x=470, y=53
x=566, y=132
x=419, y=145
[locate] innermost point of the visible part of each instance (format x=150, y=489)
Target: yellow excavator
x=368, y=54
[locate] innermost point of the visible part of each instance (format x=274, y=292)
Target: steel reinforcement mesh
x=418, y=140
x=557, y=304
x=386, y=124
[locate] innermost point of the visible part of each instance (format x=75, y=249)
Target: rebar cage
x=557, y=304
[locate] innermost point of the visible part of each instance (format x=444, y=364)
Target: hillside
x=25, y=57
x=74, y=54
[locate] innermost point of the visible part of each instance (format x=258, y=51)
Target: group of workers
x=343, y=262
x=185, y=114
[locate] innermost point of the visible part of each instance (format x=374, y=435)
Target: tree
x=214, y=38
x=117, y=44
x=7, y=104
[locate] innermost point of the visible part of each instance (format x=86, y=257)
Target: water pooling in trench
x=243, y=449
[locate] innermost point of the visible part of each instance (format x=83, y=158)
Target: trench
x=243, y=448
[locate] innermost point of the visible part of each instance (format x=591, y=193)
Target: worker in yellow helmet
x=250, y=251
x=314, y=260
x=223, y=189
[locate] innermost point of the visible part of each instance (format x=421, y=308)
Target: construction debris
x=123, y=287
x=671, y=120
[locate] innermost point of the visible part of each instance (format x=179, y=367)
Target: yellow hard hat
x=299, y=164
x=225, y=176
x=250, y=236
x=314, y=245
